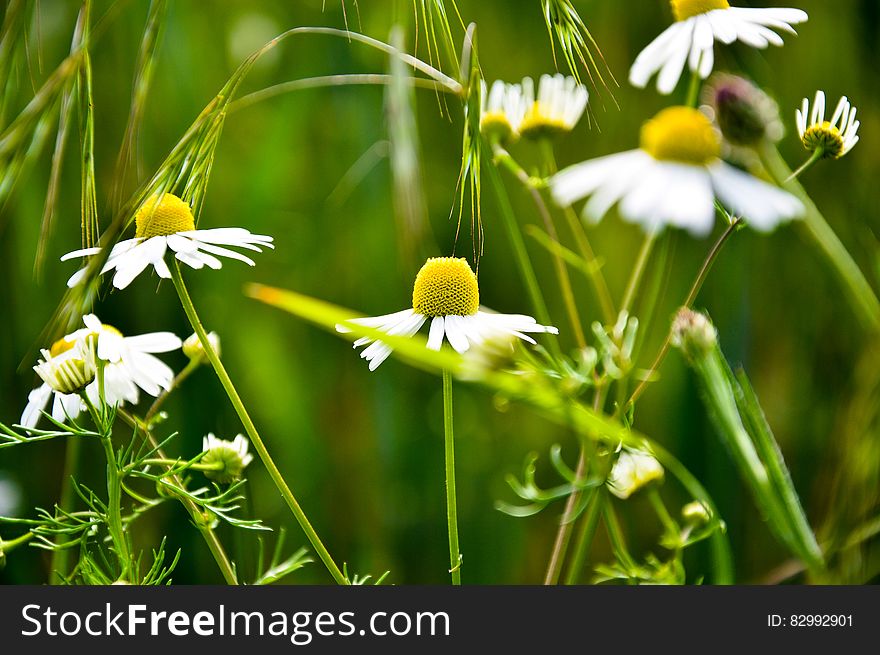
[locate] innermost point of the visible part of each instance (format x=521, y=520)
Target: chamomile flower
x=674, y=178
x=230, y=457
x=834, y=138
x=501, y=110
x=633, y=470
x=66, y=368
x=128, y=368
x=558, y=107
x=168, y=223
x=691, y=39
x=447, y=293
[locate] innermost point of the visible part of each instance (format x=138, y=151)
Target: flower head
x=696, y=513
x=691, y=39
x=746, y=115
x=674, y=178
x=128, y=367
x=633, y=470
x=192, y=347
x=558, y=107
x=501, y=110
x=230, y=457
x=164, y=223
x=67, y=368
x=833, y=138
x=446, y=292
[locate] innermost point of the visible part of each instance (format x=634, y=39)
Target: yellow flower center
x=684, y=9
x=825, y=136
x=681, y=134
x=163, y=216
x=60, y=347
x=495, y=124
x=538, y=123
x=446, y=286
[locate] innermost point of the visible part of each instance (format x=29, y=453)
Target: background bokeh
x=363, y=451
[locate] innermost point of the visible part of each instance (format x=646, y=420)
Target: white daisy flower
x=231, y=457
x=168, y=223
x=560, y=103
x=674, y=178
x=446, y=292
x=501, y=110
x=834, y=138
x=633, y=470
x=699, y=24
x=128, y=364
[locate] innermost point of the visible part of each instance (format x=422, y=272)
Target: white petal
x=764, y=206
x=435, y=335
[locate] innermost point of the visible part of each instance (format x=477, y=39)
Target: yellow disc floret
x=163, y=216
x=684, y=9
x=446, y=286
x=827, y=137
x=61, y=346
x=538, y=123
x=681, y=134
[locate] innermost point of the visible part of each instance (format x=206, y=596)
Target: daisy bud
x=192, y=347
x=232, y=455
x=746, y=115
x=693, y=333
x=633, y=470
x=695, y=513
x=68, y=367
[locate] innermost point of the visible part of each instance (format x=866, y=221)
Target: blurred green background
x=364, y=451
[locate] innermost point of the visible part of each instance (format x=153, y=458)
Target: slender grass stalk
x=585, y=535
x=451, y=501
x=61, y=556
x=861, y=295
x=250, y=428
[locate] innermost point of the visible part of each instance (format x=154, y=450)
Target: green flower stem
x=669, y=524
x=527, y=272
x=566, y=524
x=176, y=382
x=114, y=510
x=600, y=285
x=500, y=154
x=250, y=428
x=638, y=272
x=861, y=295
x=451, y=502
x=12, y=544
x=61, y=556
x=585, y=535
x=615, y=536
x=817, y=156
x=693, y=94
x=691, y=297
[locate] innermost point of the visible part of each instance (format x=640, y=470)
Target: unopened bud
x=633, y=470
x=193, y=348
x=693, y=333
x=230, y=457
x=746, y=115
x=695, y=513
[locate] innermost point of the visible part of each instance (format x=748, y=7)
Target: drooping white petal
x=37, y=401
x=764, y=206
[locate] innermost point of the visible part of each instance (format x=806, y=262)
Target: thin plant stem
x=451, y=502
x=521, y=255
x=566, y=524
x=861, y=295
x=561, y=270
x=251, y=429
x=638, y=272
x=195, y=466
x=114, y=510
x=669, y=524
x=61, y=556
x=177, y=381
x=692, y=295
x=693, y=94
x=615, y=535
x=585, y=536
x=817, y=155
x=600, y=285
